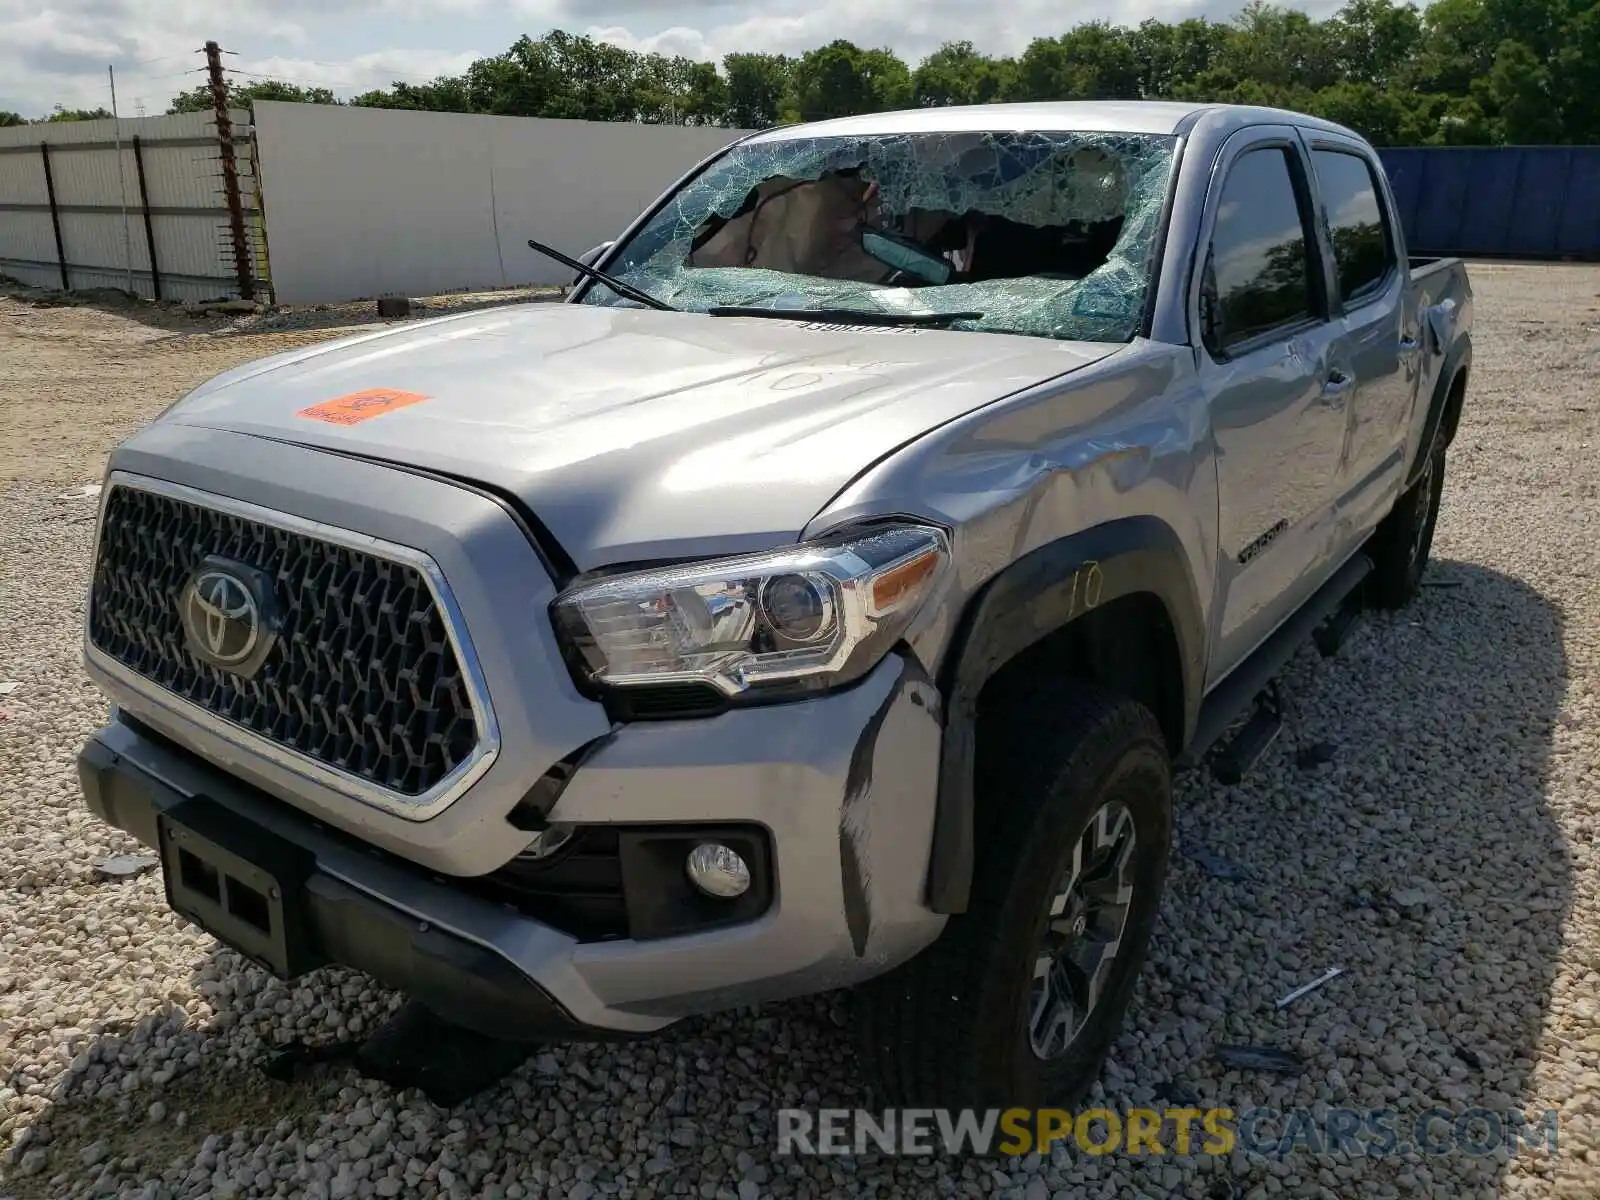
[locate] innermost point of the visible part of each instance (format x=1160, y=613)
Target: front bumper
x=844, y=786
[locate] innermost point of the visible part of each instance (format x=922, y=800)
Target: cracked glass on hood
x=1051, y=234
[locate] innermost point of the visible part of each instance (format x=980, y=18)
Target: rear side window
x=1361, y=242
x=1259, y=275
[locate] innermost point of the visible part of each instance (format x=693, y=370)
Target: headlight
x=816, y=614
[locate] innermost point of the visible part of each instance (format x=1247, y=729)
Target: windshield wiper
x=625, y=290
x=843, y=316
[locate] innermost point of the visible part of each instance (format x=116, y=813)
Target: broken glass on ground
x=1047, y=233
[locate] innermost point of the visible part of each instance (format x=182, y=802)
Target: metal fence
x=1538, y=202
x=136, y=204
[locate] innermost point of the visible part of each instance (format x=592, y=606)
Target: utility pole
x=122, y=179
x=230, y=171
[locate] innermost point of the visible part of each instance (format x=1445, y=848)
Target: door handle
x=1337, y=384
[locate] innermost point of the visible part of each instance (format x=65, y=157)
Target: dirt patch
x=81, y=371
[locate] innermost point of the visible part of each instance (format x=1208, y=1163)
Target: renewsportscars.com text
x=1372, y=1133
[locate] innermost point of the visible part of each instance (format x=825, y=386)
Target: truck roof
x=1089, y=116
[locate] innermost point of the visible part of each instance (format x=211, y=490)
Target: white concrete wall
x=364, y=202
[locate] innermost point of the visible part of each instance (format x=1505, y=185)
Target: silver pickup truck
x=821, y=597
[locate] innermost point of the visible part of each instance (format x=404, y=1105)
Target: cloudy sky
x=56, y=51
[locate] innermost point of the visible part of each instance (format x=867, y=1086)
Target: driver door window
x=1260, y=273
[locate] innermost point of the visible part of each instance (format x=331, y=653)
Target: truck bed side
x=1444, y=317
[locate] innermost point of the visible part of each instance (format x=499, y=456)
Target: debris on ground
x=1214, y=865
x=125, y=866
x=1327, y=976
x=1315, y=755
x=1177, y=1092
x=88, y=491
x=9, y=686
x=1260, y=1058
x=286, y=1063
x=1411, y=897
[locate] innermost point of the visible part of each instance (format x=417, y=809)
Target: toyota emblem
x=226, y=609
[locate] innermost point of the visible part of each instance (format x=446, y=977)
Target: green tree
x=520, y=82
x=1377, y=114
x=445, y=94
x=841, y=79
x=1456, y=48
x=956, y=73
x=78, y=114
x=1280, y=48
x=8, y=119
x=1374, y=41
x=198, y=99
x=1518, y=89
x=600, y=81
x=757, y=84
x=1459, y=72
x=1092, y=62
x=680, y=91
x=1574, y=74
x=1169, y=56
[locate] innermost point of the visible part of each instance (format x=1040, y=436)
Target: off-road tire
x=948, y=1028
x=1400, y=545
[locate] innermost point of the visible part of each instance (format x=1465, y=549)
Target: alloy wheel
x=1083, y=931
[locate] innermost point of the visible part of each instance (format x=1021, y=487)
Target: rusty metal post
x=149, y=226
x=230, y=172
x=55, y=216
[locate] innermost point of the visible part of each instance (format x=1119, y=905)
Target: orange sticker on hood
x=360, y=406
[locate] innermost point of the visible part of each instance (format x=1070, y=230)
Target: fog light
x=717, y=870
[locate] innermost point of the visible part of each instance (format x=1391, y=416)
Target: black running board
x=1241, y=689
x=1237, y=757
x=1331, y=636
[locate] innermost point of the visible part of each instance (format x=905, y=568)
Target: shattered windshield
x=1051, y=234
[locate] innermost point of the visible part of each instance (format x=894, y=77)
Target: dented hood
x=632, y=434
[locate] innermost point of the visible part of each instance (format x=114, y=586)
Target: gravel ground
x=1444, y=857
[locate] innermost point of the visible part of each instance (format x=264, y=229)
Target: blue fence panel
x=1580, y=217
x=1518, y=201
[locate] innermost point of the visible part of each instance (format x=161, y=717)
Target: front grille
x=363, y=677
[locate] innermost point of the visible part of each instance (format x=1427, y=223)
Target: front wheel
x=1403, y=540
x=1018, y=1001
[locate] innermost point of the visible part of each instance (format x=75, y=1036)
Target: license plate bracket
x=241, y=883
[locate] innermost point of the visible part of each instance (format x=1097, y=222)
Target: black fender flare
x=1440, y=419
x=1032, y=598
